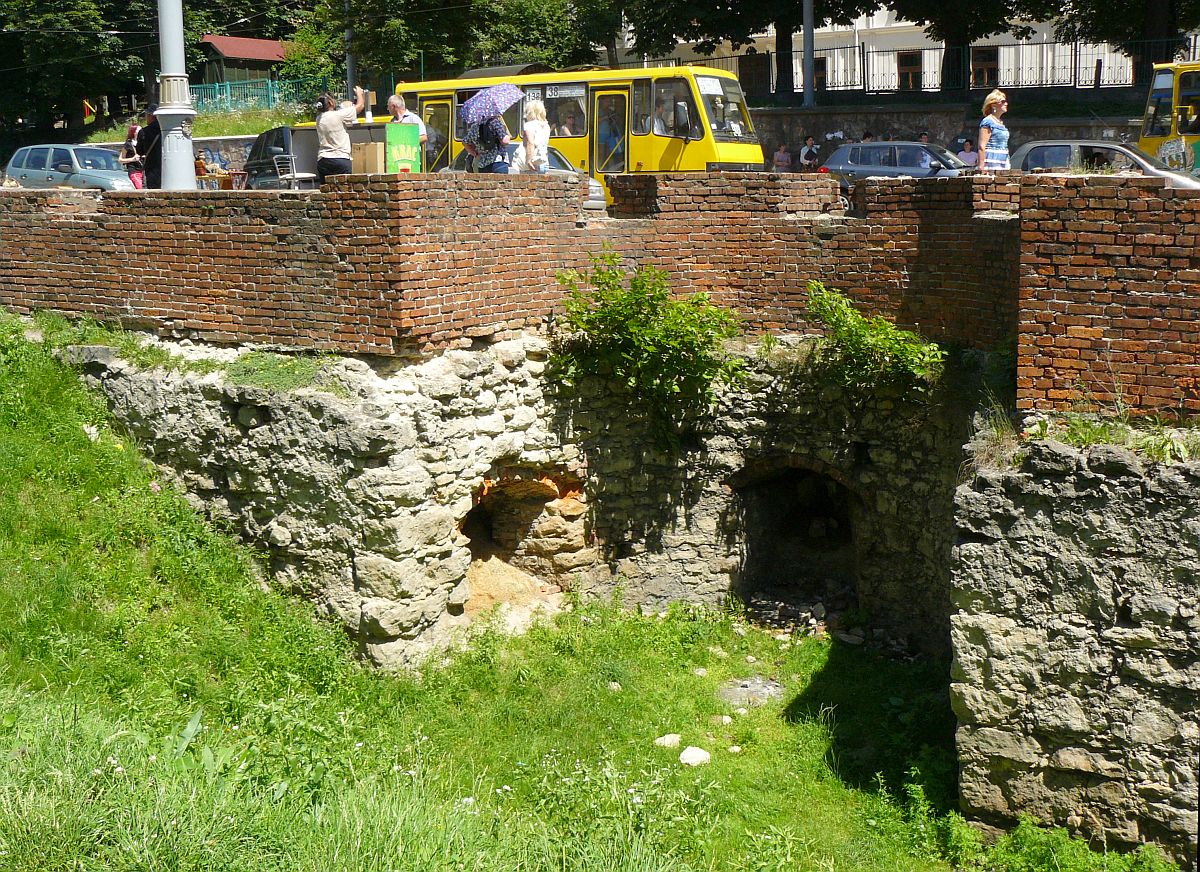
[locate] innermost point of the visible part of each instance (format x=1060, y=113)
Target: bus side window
x=566, y=109
x=643, y=107
x=679, y=107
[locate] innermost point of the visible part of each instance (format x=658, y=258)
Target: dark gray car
x=1096, y=156
x=861, y=160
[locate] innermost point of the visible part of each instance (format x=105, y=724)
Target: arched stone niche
x=800, y=532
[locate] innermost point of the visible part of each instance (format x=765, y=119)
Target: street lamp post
x=175, y=110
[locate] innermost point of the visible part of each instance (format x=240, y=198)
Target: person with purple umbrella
x=485, y=135
x=488, y=142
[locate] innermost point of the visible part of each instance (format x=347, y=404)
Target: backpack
x=487, y=135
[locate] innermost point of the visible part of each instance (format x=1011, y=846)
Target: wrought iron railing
x=923, y=68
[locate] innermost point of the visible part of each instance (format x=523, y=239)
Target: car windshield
x=947, y=157
x=725, y=106
x=96, y=159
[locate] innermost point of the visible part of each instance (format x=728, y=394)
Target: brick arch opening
x=533, y=520
x=525, y=531
x=800, y=531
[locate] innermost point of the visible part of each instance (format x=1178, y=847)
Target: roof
x=510, y=70
x=624, y=75
x=245, y=49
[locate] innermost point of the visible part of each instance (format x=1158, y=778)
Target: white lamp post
x=175, y=110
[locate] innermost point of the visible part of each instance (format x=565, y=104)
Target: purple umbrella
x=488, y=103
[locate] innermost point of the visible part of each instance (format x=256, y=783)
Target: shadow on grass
x=886, y=718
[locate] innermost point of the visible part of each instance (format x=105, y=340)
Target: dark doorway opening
x=800, y=556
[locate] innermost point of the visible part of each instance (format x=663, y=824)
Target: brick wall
x=1107, y=267
x=386, y=264
x=924, y=254
x=1110, y=294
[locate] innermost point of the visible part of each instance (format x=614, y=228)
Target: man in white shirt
x=333, y=140
x=401, y=114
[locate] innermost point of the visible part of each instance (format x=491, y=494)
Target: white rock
x=670, y=740
x=750, y=658
x=693, y=756
x=700, y=671
x=614, y=686
x=734, y=749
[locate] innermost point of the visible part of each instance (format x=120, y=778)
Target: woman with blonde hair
x=536, y=137
x=993, y=135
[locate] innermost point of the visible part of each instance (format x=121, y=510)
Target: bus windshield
x=725, y=108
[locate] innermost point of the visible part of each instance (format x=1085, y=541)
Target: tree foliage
x=1129, y=24
x=58, y=54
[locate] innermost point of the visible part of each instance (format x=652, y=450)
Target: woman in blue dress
x=993, y=135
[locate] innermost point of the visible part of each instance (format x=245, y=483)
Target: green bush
x=864, y=353
x=664, y=356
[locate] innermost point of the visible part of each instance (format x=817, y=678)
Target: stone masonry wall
x=1077, y=644
x=361, y=503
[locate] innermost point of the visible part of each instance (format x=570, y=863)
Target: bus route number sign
x=555, y=91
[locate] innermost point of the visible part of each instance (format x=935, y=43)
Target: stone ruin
x=417, y=497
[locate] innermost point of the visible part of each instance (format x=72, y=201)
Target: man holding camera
x=333, y=140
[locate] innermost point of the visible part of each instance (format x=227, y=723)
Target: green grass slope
x=160, y=709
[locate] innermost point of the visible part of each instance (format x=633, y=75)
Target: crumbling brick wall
x=1103, y=270
x=1110, y=294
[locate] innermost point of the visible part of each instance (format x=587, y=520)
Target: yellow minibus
x=1171, y=125
x=644, y=120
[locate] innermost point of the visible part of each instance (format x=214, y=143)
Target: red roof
x=245, y=49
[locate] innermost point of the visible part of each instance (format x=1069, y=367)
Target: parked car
x=860, y=160
x=1097, y=155
x=67, y=166
x=262, y=170
x=559, y=166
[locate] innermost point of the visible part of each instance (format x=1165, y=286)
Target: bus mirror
x=683, y=123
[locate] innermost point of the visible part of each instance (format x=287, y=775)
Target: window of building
x=908, y=70
x=985, y=67
x=820, y=77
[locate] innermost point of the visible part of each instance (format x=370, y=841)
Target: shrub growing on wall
x=865, y=353
x=665, y=356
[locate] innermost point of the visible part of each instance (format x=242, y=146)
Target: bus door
x=435, y=112
x=610, y=132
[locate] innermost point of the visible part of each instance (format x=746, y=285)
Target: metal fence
x=1010, y=65
x=259, y=93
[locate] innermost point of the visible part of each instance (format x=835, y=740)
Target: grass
x=162, y=710
x=276, y=372
x=243, y=122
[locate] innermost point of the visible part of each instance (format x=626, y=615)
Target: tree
x=1149, y=32
x=659, y=25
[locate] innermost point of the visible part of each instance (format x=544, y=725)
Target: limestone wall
x=371, y=503
x=1076, y=642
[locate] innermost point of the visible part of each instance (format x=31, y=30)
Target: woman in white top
x=536, y=137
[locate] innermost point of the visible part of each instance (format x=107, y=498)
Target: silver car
x=1097, y=156
x=67, y=166
x=559, y=166
x=862, y=160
